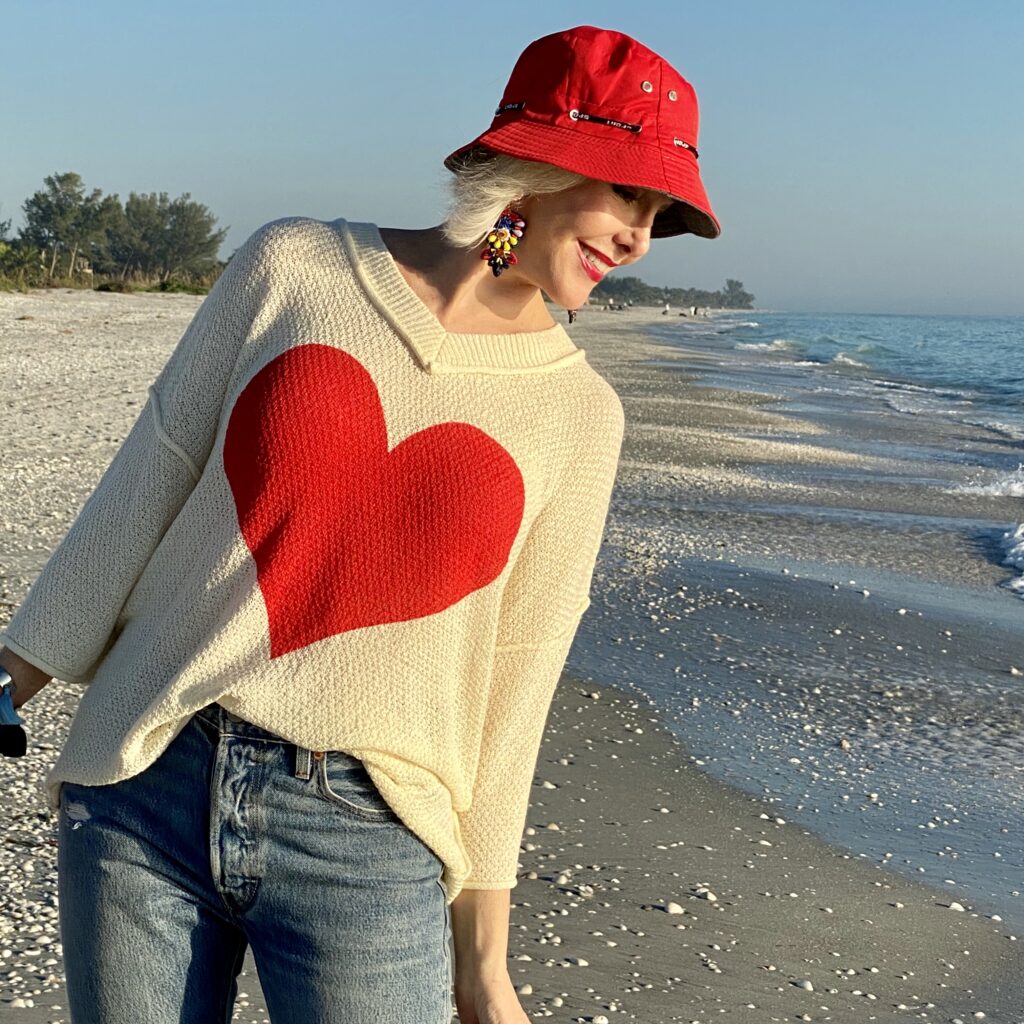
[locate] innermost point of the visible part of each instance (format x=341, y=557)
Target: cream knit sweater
x=346, y=526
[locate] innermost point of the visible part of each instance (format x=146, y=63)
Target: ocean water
x=765, y=634
x=969, y=367
x=961, y=370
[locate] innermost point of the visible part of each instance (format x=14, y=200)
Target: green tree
x=133, y=240
x=21, y=262
x=159, y=237
x=188, y=244
x=89, y=229
x=734, y=297
x=53, y=217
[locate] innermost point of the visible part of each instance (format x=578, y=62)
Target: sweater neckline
x=438, y=350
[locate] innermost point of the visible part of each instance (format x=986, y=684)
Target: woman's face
x=611, y=223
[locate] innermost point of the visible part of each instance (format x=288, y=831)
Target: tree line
x=636, y=292
x=76, y=237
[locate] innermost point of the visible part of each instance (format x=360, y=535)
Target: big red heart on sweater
x=346, y=533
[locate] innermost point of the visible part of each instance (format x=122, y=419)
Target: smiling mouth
x=594, y=265
x=600, y=256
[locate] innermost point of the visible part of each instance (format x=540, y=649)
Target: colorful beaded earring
x=503, y=236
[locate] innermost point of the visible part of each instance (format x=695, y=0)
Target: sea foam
x=1013, y=545
x=1009, y=485
x=778, y=345
x=846, y=360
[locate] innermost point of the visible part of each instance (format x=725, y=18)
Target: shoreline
x=814, y=595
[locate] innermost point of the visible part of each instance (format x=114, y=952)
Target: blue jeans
x=235, y=837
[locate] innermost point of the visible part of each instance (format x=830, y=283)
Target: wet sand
x=692, y=902
x=650, y=890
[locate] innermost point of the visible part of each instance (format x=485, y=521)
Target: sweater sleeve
x=544, y=600
x=66, y=623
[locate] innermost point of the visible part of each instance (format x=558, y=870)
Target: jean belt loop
x=303, y=762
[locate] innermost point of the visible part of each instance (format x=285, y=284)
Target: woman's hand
x=28, y=680
x=483, y=989
x=488, y=1000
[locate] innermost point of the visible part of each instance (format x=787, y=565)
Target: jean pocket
x=343, y=780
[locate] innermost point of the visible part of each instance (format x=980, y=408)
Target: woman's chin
x=571, y=298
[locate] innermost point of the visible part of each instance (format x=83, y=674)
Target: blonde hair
x=485, y=182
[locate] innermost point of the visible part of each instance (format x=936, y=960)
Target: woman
x=323, y=594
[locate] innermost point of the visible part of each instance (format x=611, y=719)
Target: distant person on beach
x=322, y=596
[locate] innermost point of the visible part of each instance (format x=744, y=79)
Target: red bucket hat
x=597, y=102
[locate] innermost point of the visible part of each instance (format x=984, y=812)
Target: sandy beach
x=780, y=780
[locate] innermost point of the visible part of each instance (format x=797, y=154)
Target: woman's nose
x=633, y=243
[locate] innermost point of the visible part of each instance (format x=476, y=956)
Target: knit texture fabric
x=347, y=526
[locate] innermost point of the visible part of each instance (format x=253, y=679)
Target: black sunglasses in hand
x=13, y=741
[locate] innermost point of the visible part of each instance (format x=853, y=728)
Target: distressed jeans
x=232, y=838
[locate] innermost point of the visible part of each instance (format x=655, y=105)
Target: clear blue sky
x=861, y=156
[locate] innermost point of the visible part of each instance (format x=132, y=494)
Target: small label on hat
x=509, y=106
x=685, y=145
x=578, y=115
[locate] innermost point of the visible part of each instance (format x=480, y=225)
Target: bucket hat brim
x=622, y=163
